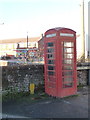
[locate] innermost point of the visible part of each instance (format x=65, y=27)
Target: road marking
x=11, y=116
x=47, y=102
x=66, y=102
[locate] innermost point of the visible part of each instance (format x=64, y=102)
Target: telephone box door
x=68, y=77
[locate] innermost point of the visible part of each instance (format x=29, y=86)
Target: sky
x=37, y=16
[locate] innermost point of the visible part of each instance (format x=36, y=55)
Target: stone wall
x=82, y=77
x=18, y=78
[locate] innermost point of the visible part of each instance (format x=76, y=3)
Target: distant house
x=41, y=47
x=9, y=46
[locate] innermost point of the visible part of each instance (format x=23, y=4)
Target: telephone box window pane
x=50, y=61
x=68, y=79
x=67, y=85
x=51, y=85
x=67, y=67
x=50, y=56
x=68, y=50
x=50, y=73
x=68, y=73
x=50, y=67
x=68, y=82
x=51, y=44
x=68, y=55
x=68, y=61
x=51, y=78
x=50, y=50
x=51, y=35
x=68, y=44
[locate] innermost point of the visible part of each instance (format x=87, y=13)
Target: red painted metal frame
x=55, y=86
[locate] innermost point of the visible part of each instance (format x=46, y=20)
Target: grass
x=24, y=96
x=80, y=86
x=27, y=97
x=72, y=96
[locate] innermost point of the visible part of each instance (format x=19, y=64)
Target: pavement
x=69, y=107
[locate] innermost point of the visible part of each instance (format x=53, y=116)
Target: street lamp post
x=27, y=48
x=0, y=52
x=1, y=73
x=27, y=39
x=82, y=32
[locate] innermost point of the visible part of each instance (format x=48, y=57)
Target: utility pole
x=27, y=39
x=27, y=48
x=89, y=31
x=1, y=72
x=82, y=33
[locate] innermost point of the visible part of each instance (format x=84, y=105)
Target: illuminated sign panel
x=51, y=35
x=67, y=34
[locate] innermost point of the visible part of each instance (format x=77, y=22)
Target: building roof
x=19, y=40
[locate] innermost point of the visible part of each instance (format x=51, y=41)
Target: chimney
x=18, y=45
x=41, y=35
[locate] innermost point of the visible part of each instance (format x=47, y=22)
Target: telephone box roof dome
x=60, y=28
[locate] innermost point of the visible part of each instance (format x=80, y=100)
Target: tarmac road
x=71, y=107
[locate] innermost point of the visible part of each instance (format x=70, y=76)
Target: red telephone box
x=60, y=62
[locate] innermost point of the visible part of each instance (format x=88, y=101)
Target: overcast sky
x=37, y=16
